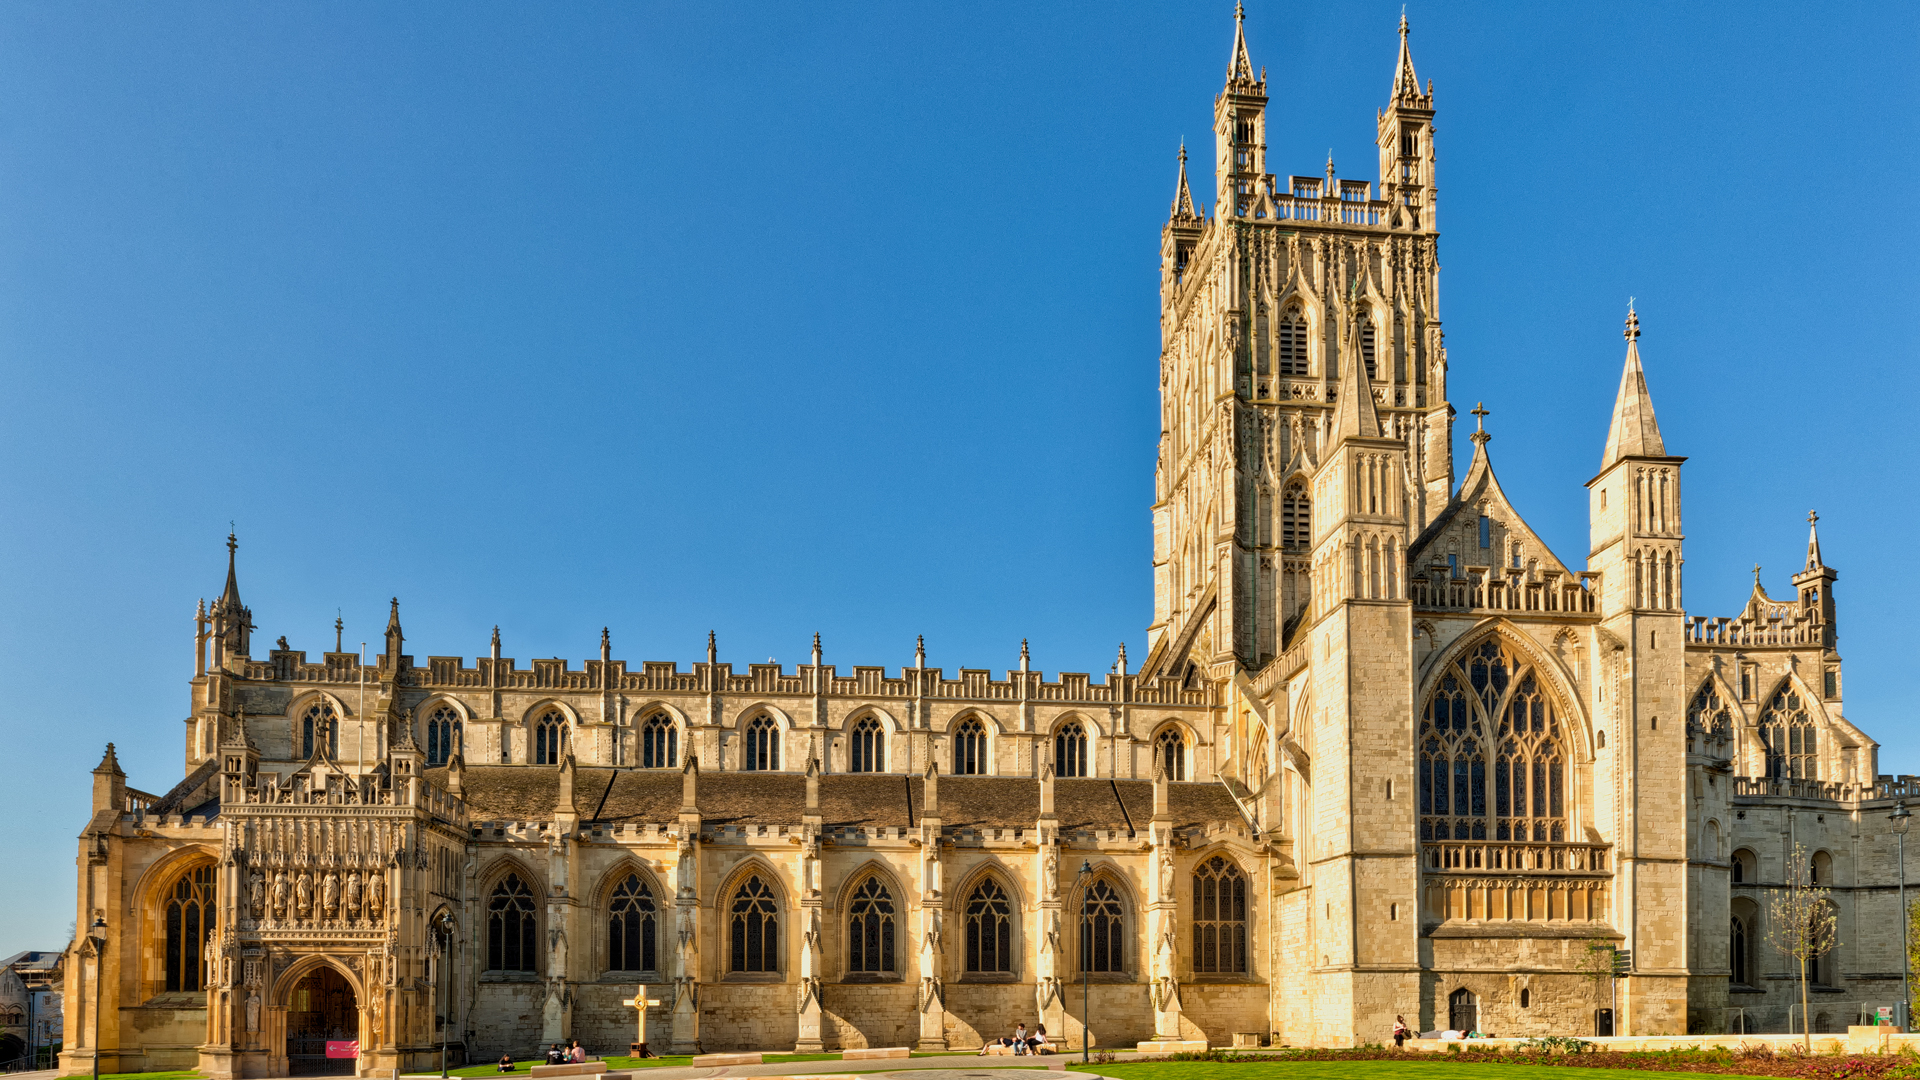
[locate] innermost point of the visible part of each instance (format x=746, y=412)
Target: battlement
x=971, y=684
x=1760, y=625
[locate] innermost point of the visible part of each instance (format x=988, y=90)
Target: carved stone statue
x=1050, y=874
x=253, y=1011
x=330, y=896
x=303, y=896
x=684, y=870
x=257, y=887
x=1166, y=874
x=353, y=894
x=376, y=895
x=279, y=895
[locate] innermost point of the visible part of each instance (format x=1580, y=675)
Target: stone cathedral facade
x=1387, y=754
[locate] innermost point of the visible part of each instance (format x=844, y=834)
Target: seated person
x=1038, y=1044
x=555, y=1055
x=506, y=1062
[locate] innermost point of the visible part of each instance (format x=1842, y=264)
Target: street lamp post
x=1080, y=884
x=1902, y=818
x=97, y=933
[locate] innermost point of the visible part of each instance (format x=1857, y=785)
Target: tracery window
x=762, y=753
x=754, y=928
x=1293, y=343
x=870, y=928
x=1171, y=749
x=1070, y=750
x=549, y=737
x=989, y=929
x=1492, y=704
x=1102, y=929
x=443, y=735
x=190, y=917
x=1786, y=731
x=1219, y=917
x=632, y=927
x=970, y=748
x=511, y=928
x=659, y=742
x=868, y=752
x=1709, y=721
x=1737, y=952
x=320, y=721
x=1296, y=518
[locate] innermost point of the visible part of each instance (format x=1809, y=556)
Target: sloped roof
x=1480, y=486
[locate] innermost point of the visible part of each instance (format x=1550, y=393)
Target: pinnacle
x=1635, y=432
x=1240, y=68
x=1355, y=416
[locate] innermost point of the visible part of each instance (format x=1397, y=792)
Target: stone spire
x=1183, y=208
x=1813, y=541
x=1406, y=85
x=1354, y=415
x=1240, y=68
x=394, y=636
x=1634, y=433
x=232, y=621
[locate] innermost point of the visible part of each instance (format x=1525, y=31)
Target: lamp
x=1902, y=819
x=1080, y=883
x=97, y=934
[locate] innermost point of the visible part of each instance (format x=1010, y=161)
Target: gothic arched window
x=549, y=737
x=868, y=752
x=443, y=735
x=1367, y=342
x=632, y=927
x=1709, y=721
x=1737, y=952
x=762, y=753
x=1219, y=917
x=870, y=928
x=1296, y=518
x=511, y=927
x=1070, y=750
x=320, y=721
x=190, y=918
x=1293, y=343
x=1102, y=929
x=659, y=742
x=754, y=928
x=970, y=748
x=1492, y=704
x=989, y=929
x=1786, y=730
x=1171, y=749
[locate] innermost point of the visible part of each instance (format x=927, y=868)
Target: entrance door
x=1462, y=1015
x=321, y=1011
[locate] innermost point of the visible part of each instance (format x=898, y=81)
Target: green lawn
x=1359, y=1070
x=178, y=1074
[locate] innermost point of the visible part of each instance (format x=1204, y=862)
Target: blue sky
x=775, y=319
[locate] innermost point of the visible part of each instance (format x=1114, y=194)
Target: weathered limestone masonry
x=1388, y=755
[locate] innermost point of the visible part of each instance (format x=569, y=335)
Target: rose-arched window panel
x=659, y=742
x=1492, y=757
x=443, y=734
x=1070, y=750
x=321, y=723
x=549, y=738
x=970, y=749
x=762, y=751
x=189, y=918
x=633, y=927
x=1709, y=721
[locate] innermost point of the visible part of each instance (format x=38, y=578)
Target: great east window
x=1492, y=765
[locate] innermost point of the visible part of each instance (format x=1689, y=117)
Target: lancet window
x=1492, y=713
x=1171, y=749
x=1070, y=750
x=659, y=742
x=868, y=749
x=1219, y=917
x=1786, y=732
x=1296, y=518
x=970, y=748
x=1293, y=343
x=1102, y=929
x=1709, y=721
x=754, y=928
x=1367, y=342
x=632, y=927
x=762, y=751
x=549, y=737
x=319, y=722
x=512, y=934
x=989, y=929
x=190, y=918
x=443, y=735
x=870, y=928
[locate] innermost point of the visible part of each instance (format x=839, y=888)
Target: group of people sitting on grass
x=556, y=1055
x=1022, y=1043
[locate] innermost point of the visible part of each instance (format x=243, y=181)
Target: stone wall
x=507, y=1019
x=859, y=1015
x=749, y=1016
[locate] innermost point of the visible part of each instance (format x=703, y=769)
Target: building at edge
x=1387, y=754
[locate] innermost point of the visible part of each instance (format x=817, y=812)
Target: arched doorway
x=321, y=1010
x=1463, y=1013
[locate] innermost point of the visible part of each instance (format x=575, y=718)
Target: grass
x=176, y=1074
x=623, y=1064
x=1344, y=1070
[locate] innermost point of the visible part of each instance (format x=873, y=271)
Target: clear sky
x=772, y=319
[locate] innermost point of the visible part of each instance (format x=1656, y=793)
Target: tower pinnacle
x=1634, y=433
x=1183, y=208
x=1240, y=68
x=1813, y=541
x=1406, y=84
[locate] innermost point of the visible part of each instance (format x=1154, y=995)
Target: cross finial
x=1329, y=172
x=1480, y=413
x=1183, y=151
x=1813, y=518
x=232, y=542
x=1756, y=573
x=1403, y=20
x=1239, y=12
x=1633, y=321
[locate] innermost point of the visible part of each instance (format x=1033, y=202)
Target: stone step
x=872, y=1052
x=708, y=1061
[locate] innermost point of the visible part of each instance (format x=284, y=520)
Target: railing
x=1702, y=630
x=1828, y=790
x=1295, y=208
x=139, y=802
x=1481, y=856
x=1475, y=592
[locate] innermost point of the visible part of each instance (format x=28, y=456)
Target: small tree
x=1801, y=923
x=1595, y=965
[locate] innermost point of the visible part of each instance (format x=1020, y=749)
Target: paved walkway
x=942, y=1067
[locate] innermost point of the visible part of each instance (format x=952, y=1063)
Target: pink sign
x=348, y=1049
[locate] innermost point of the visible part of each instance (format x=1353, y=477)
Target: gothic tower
x=1262, y=303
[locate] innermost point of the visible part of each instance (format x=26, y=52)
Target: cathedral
x=1387, y=754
